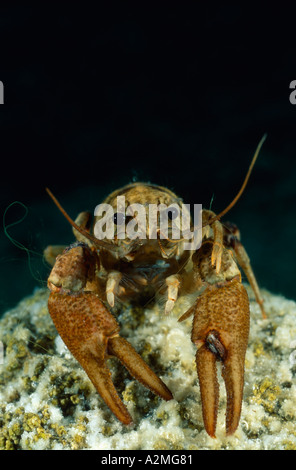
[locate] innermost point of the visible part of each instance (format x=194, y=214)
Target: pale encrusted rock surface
x=47, y=401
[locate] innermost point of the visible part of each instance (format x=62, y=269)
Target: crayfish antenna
x=234, y=201
x=96, y=241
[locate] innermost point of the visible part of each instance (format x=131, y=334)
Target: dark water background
x=179, y=97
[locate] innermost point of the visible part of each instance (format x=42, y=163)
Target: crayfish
x=90, y=275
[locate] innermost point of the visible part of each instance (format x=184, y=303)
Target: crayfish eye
x=119, y=218
x=172, y=213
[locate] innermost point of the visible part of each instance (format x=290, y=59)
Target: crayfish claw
x=85, y=326
x=220, y=333
x=91, y=333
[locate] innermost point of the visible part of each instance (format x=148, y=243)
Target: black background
x=176, y=95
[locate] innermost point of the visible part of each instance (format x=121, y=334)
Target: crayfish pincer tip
x=123, y=350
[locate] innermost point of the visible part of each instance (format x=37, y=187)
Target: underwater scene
x=135, y=341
